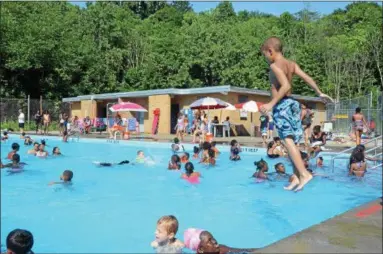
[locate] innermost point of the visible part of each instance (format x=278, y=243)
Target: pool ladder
x=115, y=140
x=375, y=149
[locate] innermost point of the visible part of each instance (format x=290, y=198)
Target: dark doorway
x=174, y=110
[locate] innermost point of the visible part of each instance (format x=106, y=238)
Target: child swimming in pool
x=176, y=147
x=235, y=149
x=5, y=136
x=190, y=173
x=28, y=141
x=166, y=241
x=110, y=164
x=357, y=164
x=320, y=161
x=19, y=241
x=66, y=178
x=15, y=164
x=56, y=151
x=41, y=152
x=140, y=157
x=174, y=163
x=262, y=169
x=208, y=244
x=15, y=149
x=185, y=158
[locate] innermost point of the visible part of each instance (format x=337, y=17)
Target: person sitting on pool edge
x=165, y=236
x=66, y=178
x=176, y=147
x=19, y=241
x=35, y=148
x=15, y=149
x=280, y=148
x=262, y=169
x=110, y=164
x=174, y=163
x=208, y=244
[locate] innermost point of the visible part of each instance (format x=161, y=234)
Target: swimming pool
x=114, y=210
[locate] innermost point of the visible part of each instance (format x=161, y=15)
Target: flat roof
x=182, y=91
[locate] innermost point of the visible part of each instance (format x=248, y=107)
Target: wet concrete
x=356, y=231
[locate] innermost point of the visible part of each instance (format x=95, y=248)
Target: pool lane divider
x=369, y=211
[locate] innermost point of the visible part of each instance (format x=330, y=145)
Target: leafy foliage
x=56, y=49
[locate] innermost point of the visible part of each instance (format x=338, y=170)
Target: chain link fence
x=9, y=111
x=340, y=114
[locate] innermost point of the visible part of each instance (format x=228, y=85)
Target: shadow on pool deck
x=356, y=231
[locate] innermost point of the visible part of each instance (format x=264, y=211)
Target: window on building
x=242, y=98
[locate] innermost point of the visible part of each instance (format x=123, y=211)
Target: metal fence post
x=29, y=109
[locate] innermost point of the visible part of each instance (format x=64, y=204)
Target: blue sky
x=275, y=8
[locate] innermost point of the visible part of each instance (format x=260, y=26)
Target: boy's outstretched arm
x=303, y=75
x=285, y=87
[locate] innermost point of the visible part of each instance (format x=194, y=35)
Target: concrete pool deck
x=243, y=140
x=356, y=231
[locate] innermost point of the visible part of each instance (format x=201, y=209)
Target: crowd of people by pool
x=290, y=118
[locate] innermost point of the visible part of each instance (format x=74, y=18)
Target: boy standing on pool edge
x=286, y=111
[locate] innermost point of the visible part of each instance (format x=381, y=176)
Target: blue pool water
x=115, y=209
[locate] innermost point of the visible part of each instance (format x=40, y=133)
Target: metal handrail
x=352, y=148
x=374, y=167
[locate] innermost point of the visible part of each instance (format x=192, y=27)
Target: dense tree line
x=56, y=49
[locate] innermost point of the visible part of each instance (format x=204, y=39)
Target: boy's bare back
x=288, y=68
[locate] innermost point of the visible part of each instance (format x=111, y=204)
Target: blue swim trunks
x=287, y=119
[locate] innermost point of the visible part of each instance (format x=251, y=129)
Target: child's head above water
x=271, y=144
x=16, y=158
x=56, y=150
x=189, y=168
x=175, y=158
x=140, y=153
x=261, y=165
x=15, y=147
x=233, y=142
x=196, y=150
x=5, y=133
x=176, y=141
x=186, y=156
x=19, y=241
x=67, y=176
x=277, y=140
x=280, y=168
x=23, y=134
x=208, y=244
x=167, y=227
